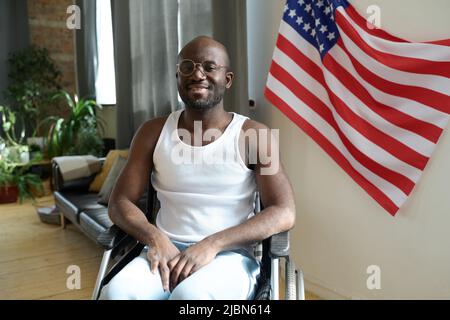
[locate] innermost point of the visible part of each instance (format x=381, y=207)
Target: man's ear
x=229, y=76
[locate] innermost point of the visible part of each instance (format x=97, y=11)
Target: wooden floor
x=34, y=256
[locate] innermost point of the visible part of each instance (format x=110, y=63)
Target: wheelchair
x=120, y=249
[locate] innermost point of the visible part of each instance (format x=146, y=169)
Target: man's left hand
x=189, y=261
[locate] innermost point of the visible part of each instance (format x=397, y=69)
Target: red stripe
x=425, y=96
x=407, y=64
x=359, y=20
x=385, y=141
x=400, y=119
x=400, y=181
x=329, y=148
x=306, y=64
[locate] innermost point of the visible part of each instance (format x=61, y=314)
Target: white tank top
x=202, y=189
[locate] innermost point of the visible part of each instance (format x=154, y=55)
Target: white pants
x=230, y=276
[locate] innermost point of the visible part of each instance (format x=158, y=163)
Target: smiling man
x=201, y=245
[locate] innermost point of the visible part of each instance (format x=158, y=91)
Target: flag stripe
x=402, y=63
x=422, y=95
x=317, y=106
x=378, y=130
x=394, y=193
x=435, y=83
x=374, y=31
x=298, y=70
x=398, y=118
x=423, y=51
x=328, y=147
x=396, y=148
x=415, y=109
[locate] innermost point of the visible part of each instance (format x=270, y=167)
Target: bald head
x=204, y=44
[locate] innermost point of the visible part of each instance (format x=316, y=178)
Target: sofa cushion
x=73, y=203
x=95, y=221
x=108, y=185
x=100, y=178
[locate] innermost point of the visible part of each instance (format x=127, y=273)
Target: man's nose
x=199, y=73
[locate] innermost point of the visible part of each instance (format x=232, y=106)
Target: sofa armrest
x=279, y=245
x=59, y=184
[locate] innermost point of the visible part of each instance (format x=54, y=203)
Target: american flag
x=377, y=104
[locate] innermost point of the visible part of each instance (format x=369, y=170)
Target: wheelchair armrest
x=279, y=245
x=114, y=238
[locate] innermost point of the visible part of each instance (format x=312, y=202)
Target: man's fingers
x=172, y=263
x=164, y=272
x=186, y=272
x=154, y=262
x=175, y=272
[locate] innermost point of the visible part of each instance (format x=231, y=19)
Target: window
x=105, y=82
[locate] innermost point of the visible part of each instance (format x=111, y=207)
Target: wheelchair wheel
x=290, y=281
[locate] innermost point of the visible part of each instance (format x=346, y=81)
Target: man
x=200, y=247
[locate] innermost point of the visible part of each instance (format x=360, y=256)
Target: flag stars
x=306, y=27
x=317, y=22
x=321, y=47
x=299, y=20
x=308, y=7
x=319, y=4
x=292, y=13
x=331, y=36
x=327, y=10
x=323, y=29
x=301, y=2
x=286, y=7
x=313, y=33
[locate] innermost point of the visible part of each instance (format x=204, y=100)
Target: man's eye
x=209, y=67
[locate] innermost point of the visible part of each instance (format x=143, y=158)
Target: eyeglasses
x=187, y=67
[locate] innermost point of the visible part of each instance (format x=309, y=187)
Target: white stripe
x=392, y=192
x=413, y=108
x=425, y=51
x=436, y=83
x=366, y=146
x=410, y=139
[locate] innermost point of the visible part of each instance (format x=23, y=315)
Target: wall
x=340, y=230
x=47, y=20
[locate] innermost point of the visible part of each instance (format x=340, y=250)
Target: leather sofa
x=79, y=206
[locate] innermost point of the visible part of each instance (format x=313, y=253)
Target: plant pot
x=8, y=194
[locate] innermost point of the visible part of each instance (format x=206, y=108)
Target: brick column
x=47, y=19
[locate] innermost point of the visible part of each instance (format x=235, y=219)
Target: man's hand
x=161, y=251
x=190, y=260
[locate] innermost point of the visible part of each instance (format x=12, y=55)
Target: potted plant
x=77, y=133
x=17, y=182
x=33, y=81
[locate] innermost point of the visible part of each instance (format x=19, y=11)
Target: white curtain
x=147, y=38
x=145, y=48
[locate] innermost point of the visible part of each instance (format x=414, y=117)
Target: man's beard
x=205, y=103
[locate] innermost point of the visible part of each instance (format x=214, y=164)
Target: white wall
x=340, y=230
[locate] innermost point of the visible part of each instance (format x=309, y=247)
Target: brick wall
x=47, y=20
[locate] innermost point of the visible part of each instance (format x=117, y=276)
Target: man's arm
x=127, y=191
x=278, y=214
x=132, y=182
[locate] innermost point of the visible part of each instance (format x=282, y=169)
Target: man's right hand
x=161, y=251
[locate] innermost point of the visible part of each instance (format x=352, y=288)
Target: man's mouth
x=197, y=87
